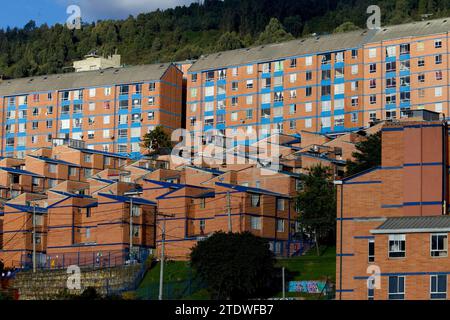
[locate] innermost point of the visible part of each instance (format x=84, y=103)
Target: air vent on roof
x=445, y=21
x=428, y=23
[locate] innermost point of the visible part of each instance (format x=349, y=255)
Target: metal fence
x=94, y=259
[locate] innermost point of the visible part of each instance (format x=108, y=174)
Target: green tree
x=367, y=155
x=234, y=265
x=274, y=33
x=229, y=41
x=156, y=140
x=317, y=205
x=346, y=27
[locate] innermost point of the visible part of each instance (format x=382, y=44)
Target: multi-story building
x=392, y=221
x=109, y=109
x=327, y=84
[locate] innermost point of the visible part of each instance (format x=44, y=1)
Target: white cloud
x=116, y=9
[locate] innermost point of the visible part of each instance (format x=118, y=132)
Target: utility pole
x=130, y=195
x=284, y=282
x=131, y=227
x=230, y=229
x=163, y=241
x=34, y=237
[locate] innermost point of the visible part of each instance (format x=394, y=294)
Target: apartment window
x=339, y=72
x=396, y=288
x=235, y=71
x=326, y=90
x=91, y=135
x=278, y=97
x=202, y=225
x=438, y=92
x=49, y=123
x=255, y=223
x=194, y=77
x=391, y=51
x=438, y=44
x=339, y=104
x=370, y=289
x=372, y=116
x=107, y=91
x=391, y=82
x=234, y=116
x=280, y=225
x=52, y=168
x=355, y=101
x=326, y=74
x=353, y=117
x=250, y=69
x=249, y=84
x=390, y=115
x=372, y=83
x=355, y=69
x=280, y=204
x=421, y=93
x=292, y=124
x=136, y=103
x=439, y=75
x=309, y=61
x=405, y=81
x=421, y=77
x=234, y=101
x=222, y=74
x=420, y=46
x=124, y=90
x=293, y=78
x=234, y=86
x=371, y=250
x=152, y=85
x=438, y=59
x=438, y=286
x=308, y=75
x=292, y=109
x=391, y=66
x=255, y=200
x=354, y=54
x=339, y=88
x=88, y=158
x=293, y=63
x=35, y=125
x=72, y=171
x=439, y=245
x=88, y=172
x=151, y=101
x=405, y=48
x=397, y=246
x=77, y=108
x=372, y=53
x=421, y=62
x=339, y=121
x=293, y=94
x=405, y=65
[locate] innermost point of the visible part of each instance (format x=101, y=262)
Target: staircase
x=50, y=284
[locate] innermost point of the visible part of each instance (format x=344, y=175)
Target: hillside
x=187, y=32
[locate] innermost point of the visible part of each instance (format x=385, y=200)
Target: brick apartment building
x=109, y=109
x=327, y=84
x=393, y=220
x=82, y=201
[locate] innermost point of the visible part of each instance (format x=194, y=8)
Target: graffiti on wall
x=307, y=286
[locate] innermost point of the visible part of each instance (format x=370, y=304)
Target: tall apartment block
x=109, y=109
x=393, y=222
x=327, y=84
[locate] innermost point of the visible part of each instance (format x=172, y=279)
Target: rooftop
x=79, y=80
x=318, y=44
x=414, y=225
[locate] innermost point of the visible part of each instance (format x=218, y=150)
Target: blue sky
x=16, y=13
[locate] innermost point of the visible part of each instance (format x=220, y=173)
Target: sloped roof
x=78, y=80
x=313, y=45
x=414, y=225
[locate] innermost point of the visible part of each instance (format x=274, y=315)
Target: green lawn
x=177, y=275
x=310, y=267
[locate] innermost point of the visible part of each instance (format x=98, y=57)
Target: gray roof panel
x=78, y=80
x=313, y=45
x=414, y=224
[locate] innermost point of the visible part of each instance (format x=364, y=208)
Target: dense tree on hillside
x=317, y=205
x=273, y=33
x=346, y=27
x=187, y=32
x=234, y=265
x=367, y=155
